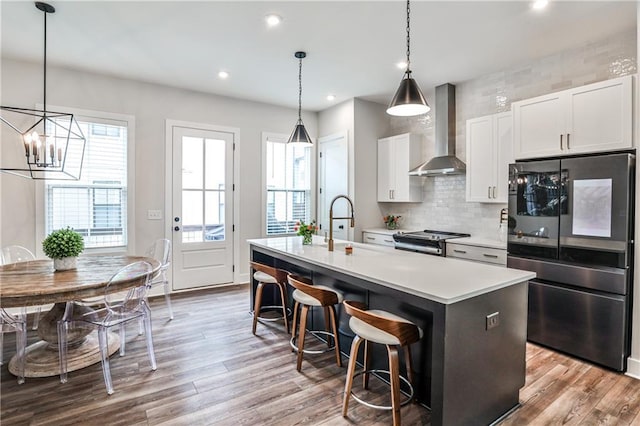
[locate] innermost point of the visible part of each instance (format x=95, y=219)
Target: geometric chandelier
x=48, y=144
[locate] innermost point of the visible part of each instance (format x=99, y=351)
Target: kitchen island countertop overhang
x=435, y=278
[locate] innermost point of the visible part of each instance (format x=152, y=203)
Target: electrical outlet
x=154, y=214
x=493, y=320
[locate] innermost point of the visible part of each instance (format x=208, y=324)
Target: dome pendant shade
x=300, y=136
x=408, y=100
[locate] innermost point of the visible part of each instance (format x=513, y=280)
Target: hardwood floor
x=213, y=371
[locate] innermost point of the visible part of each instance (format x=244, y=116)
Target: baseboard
x=242, y=278
x=633, y=368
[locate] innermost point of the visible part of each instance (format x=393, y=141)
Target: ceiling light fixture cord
x=44, y=106
x=300, y=91
x=408, y=38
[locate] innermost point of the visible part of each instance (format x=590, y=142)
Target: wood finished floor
x=213, y=371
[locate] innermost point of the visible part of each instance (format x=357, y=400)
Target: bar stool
x=307, y=295
x=266, y=275
x=388, y=329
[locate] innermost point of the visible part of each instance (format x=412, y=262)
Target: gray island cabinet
x=470, y=364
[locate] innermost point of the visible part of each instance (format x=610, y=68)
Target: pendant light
x=299, y=136
x=408, y=100
x=51, y=142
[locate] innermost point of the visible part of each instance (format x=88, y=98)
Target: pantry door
x=202, y=207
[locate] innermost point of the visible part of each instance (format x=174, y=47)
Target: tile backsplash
x=444, y=206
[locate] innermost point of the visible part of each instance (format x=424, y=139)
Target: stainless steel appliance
x=427, y=241
x=571, y=221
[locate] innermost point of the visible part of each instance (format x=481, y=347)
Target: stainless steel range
x=427, y=241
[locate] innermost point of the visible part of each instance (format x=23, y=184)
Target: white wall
x=364, y=122
x=151, y=104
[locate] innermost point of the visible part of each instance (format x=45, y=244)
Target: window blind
x=288, y=186
x=96, y=205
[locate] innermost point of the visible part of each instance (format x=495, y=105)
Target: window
x=288, y=185
x=95, y=205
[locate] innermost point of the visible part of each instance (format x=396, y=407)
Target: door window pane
x=192, y=217
x=215, y=160
x=214, y=215
x=192, y=167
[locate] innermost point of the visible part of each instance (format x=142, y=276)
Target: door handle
x=561, y=143
x=176, y=219
x=341, y=227
x=488, y=192
x=494, y=192
x=176, y=228
x=568, y=147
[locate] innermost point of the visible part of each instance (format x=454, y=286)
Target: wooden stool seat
x=307, y=295
x=268, y=275
x=390, y=330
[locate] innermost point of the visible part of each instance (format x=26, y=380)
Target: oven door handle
x=422, y=249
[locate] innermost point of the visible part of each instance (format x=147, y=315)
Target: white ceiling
x=352, y=46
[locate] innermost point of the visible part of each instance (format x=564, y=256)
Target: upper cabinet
x=489, y=152
x=592, y=118
x=396, y=156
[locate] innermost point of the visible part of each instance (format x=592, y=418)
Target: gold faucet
x=331, y=218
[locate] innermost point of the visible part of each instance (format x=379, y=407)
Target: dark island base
x=465, y=373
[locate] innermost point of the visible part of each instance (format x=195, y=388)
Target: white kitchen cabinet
x=489, y=152
x=382, y=238
x=396, y=156
x=477, y=253
x=592, y=118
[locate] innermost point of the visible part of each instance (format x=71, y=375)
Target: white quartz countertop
x=480, y=242
x=441, y=279
x=386, y=231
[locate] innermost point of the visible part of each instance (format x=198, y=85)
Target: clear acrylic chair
x=117, y=311
x=18, y=323
x=161, y=251
x=15, y=254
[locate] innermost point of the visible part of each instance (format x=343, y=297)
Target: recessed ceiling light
x=223, y=74
x=273, y=20
x=402, y=65
x=540, y=4
x=331, y=97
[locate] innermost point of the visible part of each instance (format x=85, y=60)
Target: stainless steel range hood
x=445, y=161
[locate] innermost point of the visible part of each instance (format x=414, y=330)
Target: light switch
x=154, y=214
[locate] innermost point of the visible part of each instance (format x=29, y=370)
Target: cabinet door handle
x=371, y=238
x=393, y=194
x=459, y=251
x=561, y=143
x=493, y=256
x=568, y=135
x=488, y=192
x=389, y=194
x=494, y=192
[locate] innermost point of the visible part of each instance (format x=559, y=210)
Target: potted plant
x=391, y=221
x=63, y=246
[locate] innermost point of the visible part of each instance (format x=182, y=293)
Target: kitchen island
x=470, y=364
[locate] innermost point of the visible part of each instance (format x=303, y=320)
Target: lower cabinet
x=381, y=238
x=477, y=253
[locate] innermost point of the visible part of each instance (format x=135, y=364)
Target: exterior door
x=333, y=180
x=202, y=205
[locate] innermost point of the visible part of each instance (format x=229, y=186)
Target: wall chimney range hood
x=445, y=161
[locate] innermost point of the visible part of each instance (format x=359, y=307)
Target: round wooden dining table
x=35, y=283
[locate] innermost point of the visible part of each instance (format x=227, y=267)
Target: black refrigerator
x=571, y=221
